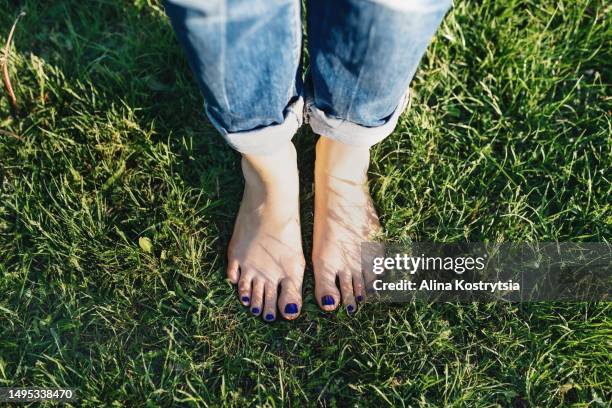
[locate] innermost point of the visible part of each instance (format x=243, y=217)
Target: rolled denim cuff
x=418, y=6
x=266, y=139
x=351, y=133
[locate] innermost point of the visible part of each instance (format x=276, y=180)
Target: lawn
x=508, y=138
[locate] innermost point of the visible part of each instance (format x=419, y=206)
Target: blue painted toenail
x=269, y=316
x=350, y=308
x=244, y=299
x=291, y=308
x=327, y=300
x=255, y=310
x=371, y=291
x=360, y=298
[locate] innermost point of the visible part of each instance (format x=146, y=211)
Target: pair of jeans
x=246, y=56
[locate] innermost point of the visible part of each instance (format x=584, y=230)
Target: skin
x=344, y=218
x=265, y=256
x=265, y=253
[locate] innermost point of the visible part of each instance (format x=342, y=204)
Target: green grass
x=508, y=139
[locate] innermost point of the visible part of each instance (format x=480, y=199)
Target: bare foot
x=344, y=218
x=265, y=251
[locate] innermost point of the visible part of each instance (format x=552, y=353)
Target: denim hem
x=351, y=133
x=267, y=139
x=422, y=6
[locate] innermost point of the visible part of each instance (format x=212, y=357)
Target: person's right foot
x=265, y=251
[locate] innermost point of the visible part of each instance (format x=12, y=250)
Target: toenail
x=244, y=299
x=255, y=310
x=291, y=308
x=269, y=316
x=327, y=300
x=360, y=298
x=350, y=308
x=371, y=291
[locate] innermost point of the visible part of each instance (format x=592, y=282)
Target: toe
x=257, y=296
x=269, y=311
x=358, y=287
x=326, y=292
x=346, y=288
x=290, y=300
x=244, y=289
x=233, y=272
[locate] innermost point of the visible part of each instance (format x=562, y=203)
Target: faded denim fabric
x=245, y=55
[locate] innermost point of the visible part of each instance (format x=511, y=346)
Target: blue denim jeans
x=246, y=57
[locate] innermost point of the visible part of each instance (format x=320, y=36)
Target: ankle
x=271, y=181
x=341, y=161
x=272, y=172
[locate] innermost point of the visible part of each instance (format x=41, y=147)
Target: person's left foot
x=344, y=218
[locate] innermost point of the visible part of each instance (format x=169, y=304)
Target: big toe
x=290, y=299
